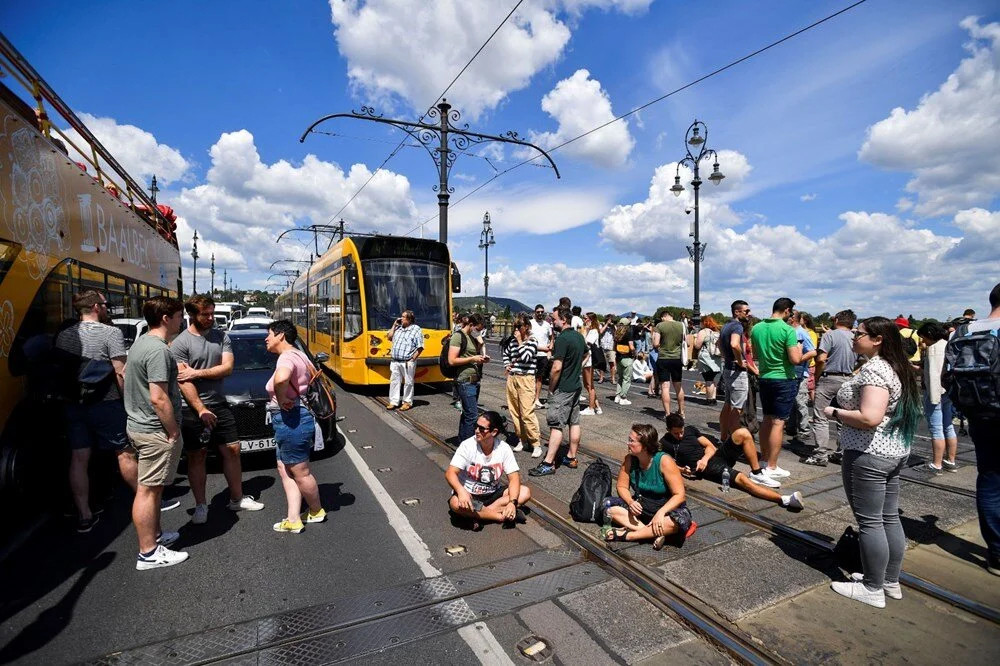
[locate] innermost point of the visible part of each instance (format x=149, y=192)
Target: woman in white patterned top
x=879, y=409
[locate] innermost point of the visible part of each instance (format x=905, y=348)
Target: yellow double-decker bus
x=346, y=302
x=66, y=224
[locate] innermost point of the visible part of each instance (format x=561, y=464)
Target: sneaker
x=793, y=502
x=286, y=526
x=931, y=469
x=537, y=452
x=246, y=503
x=519, y=447
x=624, y=402
x=572, y=463
x=200, y=516
x=776, y=473
x=161, y=557
x=819, y=460
x=457, y=404
x=405, y=406
x=598, y=411
x=836, y=457
x=168, y=504
x=167, y=538
x=543, y=469
x=84, y=525
x=949, y=466
x=618, y=399
x=538, y=405
x=993, y=565
x=892, y=590
x=762, y=479
x=587, y=412
x=318, y=517
x=391, y=406
x=857, y=591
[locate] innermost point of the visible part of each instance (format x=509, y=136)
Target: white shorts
x=737, y=386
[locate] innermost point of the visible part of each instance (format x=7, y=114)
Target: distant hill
x=465, y=303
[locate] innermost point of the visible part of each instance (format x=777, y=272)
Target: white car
x=131, y=329
x=258, y=312
x=249, y=323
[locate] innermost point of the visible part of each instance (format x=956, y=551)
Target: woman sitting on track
x=650, y=502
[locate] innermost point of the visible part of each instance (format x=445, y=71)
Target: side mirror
x=322, y=357
x=456, y=279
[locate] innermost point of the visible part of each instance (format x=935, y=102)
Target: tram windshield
x=394, y=285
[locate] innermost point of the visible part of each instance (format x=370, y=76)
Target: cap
x=624, y=320
x=902, y=322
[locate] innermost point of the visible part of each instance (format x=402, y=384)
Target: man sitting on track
x=698, y=458
x=475, y=477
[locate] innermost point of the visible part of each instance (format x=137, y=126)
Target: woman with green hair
x=878, y=409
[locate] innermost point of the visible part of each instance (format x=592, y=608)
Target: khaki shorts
x=158, y=458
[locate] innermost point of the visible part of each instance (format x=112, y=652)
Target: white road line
x=477, y=636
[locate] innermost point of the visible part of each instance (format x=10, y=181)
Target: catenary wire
x=651, y=103
x=402, y=143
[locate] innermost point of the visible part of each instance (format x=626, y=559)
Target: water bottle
x=725, y=480
x=606, y=525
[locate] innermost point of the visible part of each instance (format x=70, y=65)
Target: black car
x=245, y=393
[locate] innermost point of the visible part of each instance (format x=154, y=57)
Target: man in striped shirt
x=407, y=343
x=519, y=366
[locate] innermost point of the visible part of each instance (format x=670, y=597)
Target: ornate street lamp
x=194, y=268
x=694, y=139
x=485, y=240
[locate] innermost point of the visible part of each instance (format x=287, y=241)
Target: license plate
x=256, y=444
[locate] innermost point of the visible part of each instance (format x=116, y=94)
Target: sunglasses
x=480, y=428
x=859, y=334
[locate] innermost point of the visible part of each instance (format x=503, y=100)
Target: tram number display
x=403, y=248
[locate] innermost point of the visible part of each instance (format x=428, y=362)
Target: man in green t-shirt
x=470, y=361
x=776, y=351
x=568, y=354
x=668, y=337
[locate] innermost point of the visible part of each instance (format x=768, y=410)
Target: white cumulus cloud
x=808, y=197
x=579, y=104
x=952, y=138
x=135, y=149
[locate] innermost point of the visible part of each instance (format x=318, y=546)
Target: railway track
x=668, y=597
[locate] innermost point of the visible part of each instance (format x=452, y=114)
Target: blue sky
x=831, y=198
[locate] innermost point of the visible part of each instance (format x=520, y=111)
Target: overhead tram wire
x=655, y=101
x=402, y=142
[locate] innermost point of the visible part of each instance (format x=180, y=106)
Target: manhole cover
x=534, y=648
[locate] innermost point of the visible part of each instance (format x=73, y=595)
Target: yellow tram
x=64, y=226
x=346, y=302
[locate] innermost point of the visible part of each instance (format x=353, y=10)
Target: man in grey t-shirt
x=835, y=362
x=205, y=358
x=153, y=404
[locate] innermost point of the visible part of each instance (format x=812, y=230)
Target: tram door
x=336, y=320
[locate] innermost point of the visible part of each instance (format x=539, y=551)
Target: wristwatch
x=836, y=415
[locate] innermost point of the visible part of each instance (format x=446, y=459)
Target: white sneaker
x=776, y=472
x=623, y=402
x=538, y=405
x=793, y=502
x=762, y=479
x=519, y=447
x=161, y=557
x=857, y=591
x=167, y=538
x=200, y=516
x=598, y=410
x=892, y=590
x=617, y=399
x=246, y=503
x=587, y=412
x=537, y=451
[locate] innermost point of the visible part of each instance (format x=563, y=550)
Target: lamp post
x=485, y=240
x=693, y=139
x=194, y=269
x=212, y=271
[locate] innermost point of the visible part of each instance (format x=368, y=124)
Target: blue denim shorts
x=777, y=397
x=294, y=434
x=940, y=417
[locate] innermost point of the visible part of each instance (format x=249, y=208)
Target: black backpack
x=318, y=398
x=82, y=381
x=971, y=371
x=587, y=503
x=909, y=343
x=447, y=369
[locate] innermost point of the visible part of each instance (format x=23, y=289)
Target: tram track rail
x=673, y=600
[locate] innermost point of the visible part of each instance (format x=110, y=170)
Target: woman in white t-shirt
x=878, y=410
x=294, y=427
x=591, y=334
x=476, y=472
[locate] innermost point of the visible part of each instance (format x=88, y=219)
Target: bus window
x=49, y=313
x=117, y=296
x=394, y=285
x=91, y=279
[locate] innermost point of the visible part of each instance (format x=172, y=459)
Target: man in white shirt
x=475, y=475
x=407, y=343
x=541, y=331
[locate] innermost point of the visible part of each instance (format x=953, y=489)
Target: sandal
x=616, y=534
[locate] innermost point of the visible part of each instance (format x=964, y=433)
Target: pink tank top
x=301, y=370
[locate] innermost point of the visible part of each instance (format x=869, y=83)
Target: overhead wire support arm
x=451, y=139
